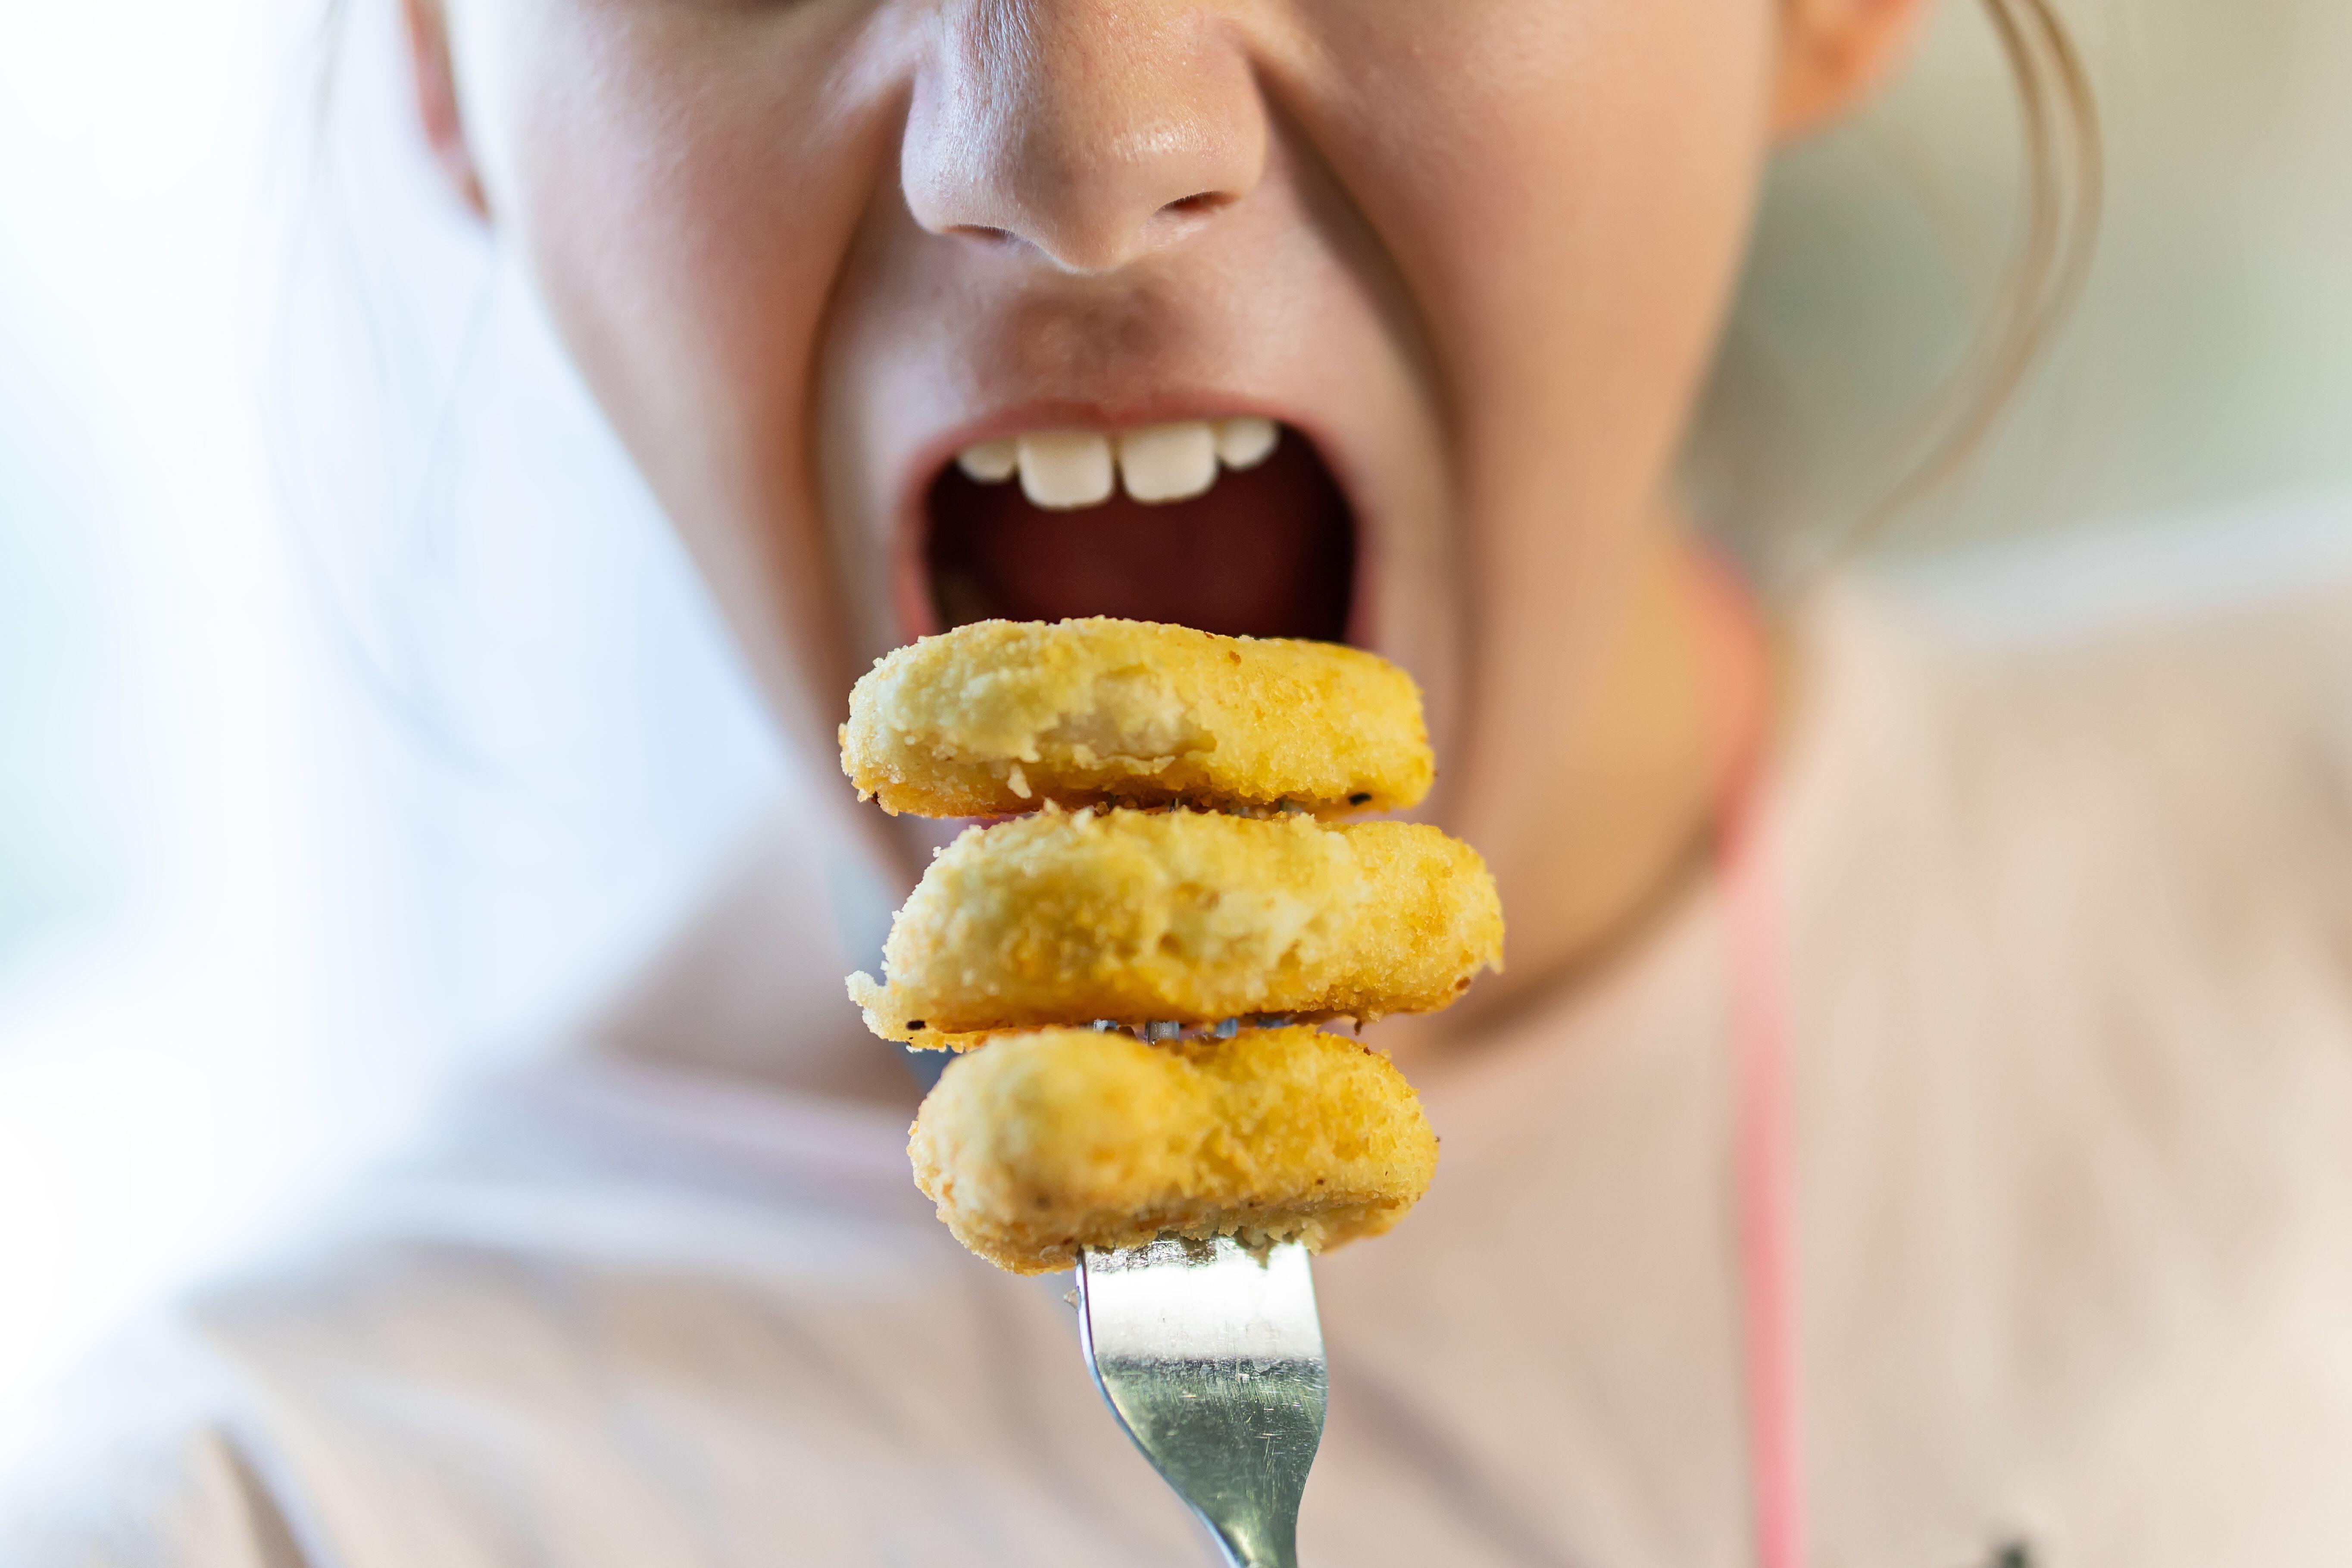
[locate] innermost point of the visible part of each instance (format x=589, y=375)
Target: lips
x=1195, y=524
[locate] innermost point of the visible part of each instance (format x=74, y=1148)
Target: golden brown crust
x=1065, y=917
x=996, y=717
x=1047, y=1142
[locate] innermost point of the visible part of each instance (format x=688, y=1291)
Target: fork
x=1211, y=1355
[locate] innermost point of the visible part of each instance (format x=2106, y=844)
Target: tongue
x=1267, y=552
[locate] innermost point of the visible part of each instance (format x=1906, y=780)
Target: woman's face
x=1470, y=255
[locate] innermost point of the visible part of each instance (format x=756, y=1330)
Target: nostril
x=980, y=231
x=1199, y=204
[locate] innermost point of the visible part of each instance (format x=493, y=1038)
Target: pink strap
x=1757, y=1023
x=1759, y=1045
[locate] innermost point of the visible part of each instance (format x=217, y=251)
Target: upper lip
x=928, y=458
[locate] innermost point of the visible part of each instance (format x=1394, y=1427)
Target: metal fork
x=1211, y=1355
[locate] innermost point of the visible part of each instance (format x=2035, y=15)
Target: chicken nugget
x=1068, y=917
x=1045, y=1143
x=998, y=716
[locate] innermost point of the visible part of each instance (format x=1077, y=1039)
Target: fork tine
x=1211, y=1355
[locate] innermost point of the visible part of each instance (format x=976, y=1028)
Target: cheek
x=683, y=187
x=1569, y=194
x=1621, y=191
x=682, y=202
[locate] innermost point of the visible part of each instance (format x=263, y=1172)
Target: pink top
x=2048, y=979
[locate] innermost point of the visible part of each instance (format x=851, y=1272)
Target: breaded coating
x=994, y=719
x=1043, y=1144
x=1065, y=917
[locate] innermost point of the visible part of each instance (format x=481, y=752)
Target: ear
x=1835, y=53
x=436, y=101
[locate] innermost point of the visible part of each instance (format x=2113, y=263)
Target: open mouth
x=1232, y=526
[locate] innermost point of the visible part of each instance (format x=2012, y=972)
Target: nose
x=1094, y=130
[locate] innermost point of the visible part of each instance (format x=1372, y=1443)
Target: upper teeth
x=1067, y=468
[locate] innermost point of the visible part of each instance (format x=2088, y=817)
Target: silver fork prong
x=1211, y=1355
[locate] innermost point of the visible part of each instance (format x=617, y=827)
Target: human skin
x=1479, y=251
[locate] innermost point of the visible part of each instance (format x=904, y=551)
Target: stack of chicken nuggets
x=1132, y=965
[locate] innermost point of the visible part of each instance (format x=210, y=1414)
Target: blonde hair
x=2063, y=192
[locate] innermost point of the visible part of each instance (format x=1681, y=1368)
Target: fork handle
x=1272, y=1544
x=1251, y=1558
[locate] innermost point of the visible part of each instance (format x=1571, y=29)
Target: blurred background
x=359, y=725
